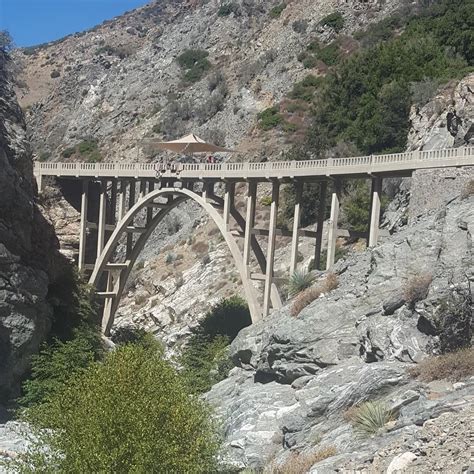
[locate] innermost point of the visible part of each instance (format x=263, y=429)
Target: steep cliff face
x=27, y=246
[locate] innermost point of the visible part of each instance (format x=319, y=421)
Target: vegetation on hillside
x=194, y=64
x=362, y=103
x=74, y=341
x=366, y=98
x=205, y=360
x=130, y=413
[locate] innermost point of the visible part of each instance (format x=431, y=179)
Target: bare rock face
x=27, y=246
x=296, y=377
x=446, y=121
x=64, y=218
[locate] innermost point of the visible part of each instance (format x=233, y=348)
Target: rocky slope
x=293, y=385
x=121, y=82
x=27, y=246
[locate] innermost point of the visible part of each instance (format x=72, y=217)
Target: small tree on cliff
x=6, y=42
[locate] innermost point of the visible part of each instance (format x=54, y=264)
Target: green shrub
x=269, y=118
x=329, y=54
x=266, y=201
x=55, y=74
x=227, y=9
x=87, y=146
x=334, y=20
x=74, y=341
x=356, y=205
x=57, y=362
x=68, y=152
x=205, y=360
x=305, y=89
x=170, y=258
x=44, y=156
x=289, y=127
x=277, y=10
x=194, y=63
x=370, y=417
x=89, y=149
x=299, y=281
x=131, y=413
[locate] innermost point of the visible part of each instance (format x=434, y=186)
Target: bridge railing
x=407, y=160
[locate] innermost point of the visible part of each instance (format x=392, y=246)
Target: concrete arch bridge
x=134, y=199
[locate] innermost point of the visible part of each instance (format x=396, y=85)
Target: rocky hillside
x=28, y=260
x=125, y=80
x=394, y=305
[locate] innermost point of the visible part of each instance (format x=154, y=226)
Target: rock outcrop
x=445, y=121
x=27, y=246
x=296, y=377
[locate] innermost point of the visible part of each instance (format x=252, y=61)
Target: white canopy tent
x=191, y=144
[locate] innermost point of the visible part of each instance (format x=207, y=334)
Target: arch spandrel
x=178, y=195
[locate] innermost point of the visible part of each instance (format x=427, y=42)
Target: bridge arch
x=118, y=273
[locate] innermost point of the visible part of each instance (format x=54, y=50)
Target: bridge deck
x=361, y=165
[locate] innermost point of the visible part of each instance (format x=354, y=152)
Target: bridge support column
x=108, y=305
x=131, y=203
x=296, y=227
x=207, y=190
x=83, y=226
x=332, y=231
x=149, y=212
x=271, y=248
x=375, y=211
x=249, y=223
x=122, y=197
x=102, y=217
x=228, y=202
x=323, y=186
x=142, y=189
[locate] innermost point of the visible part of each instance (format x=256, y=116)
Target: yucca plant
x=299, y=281
x=368, y=418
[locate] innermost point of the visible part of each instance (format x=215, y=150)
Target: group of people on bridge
x=175, y=166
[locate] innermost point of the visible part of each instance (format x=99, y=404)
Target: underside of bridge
x=129, y=210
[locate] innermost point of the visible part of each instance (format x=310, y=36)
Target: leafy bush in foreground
x=131, y=413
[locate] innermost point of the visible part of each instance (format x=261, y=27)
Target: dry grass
x=454, y=366
x=310, y=294
x=468, y=190
x=200, y=247
x=213, y=231
x=416, y=288
x=300, y=463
